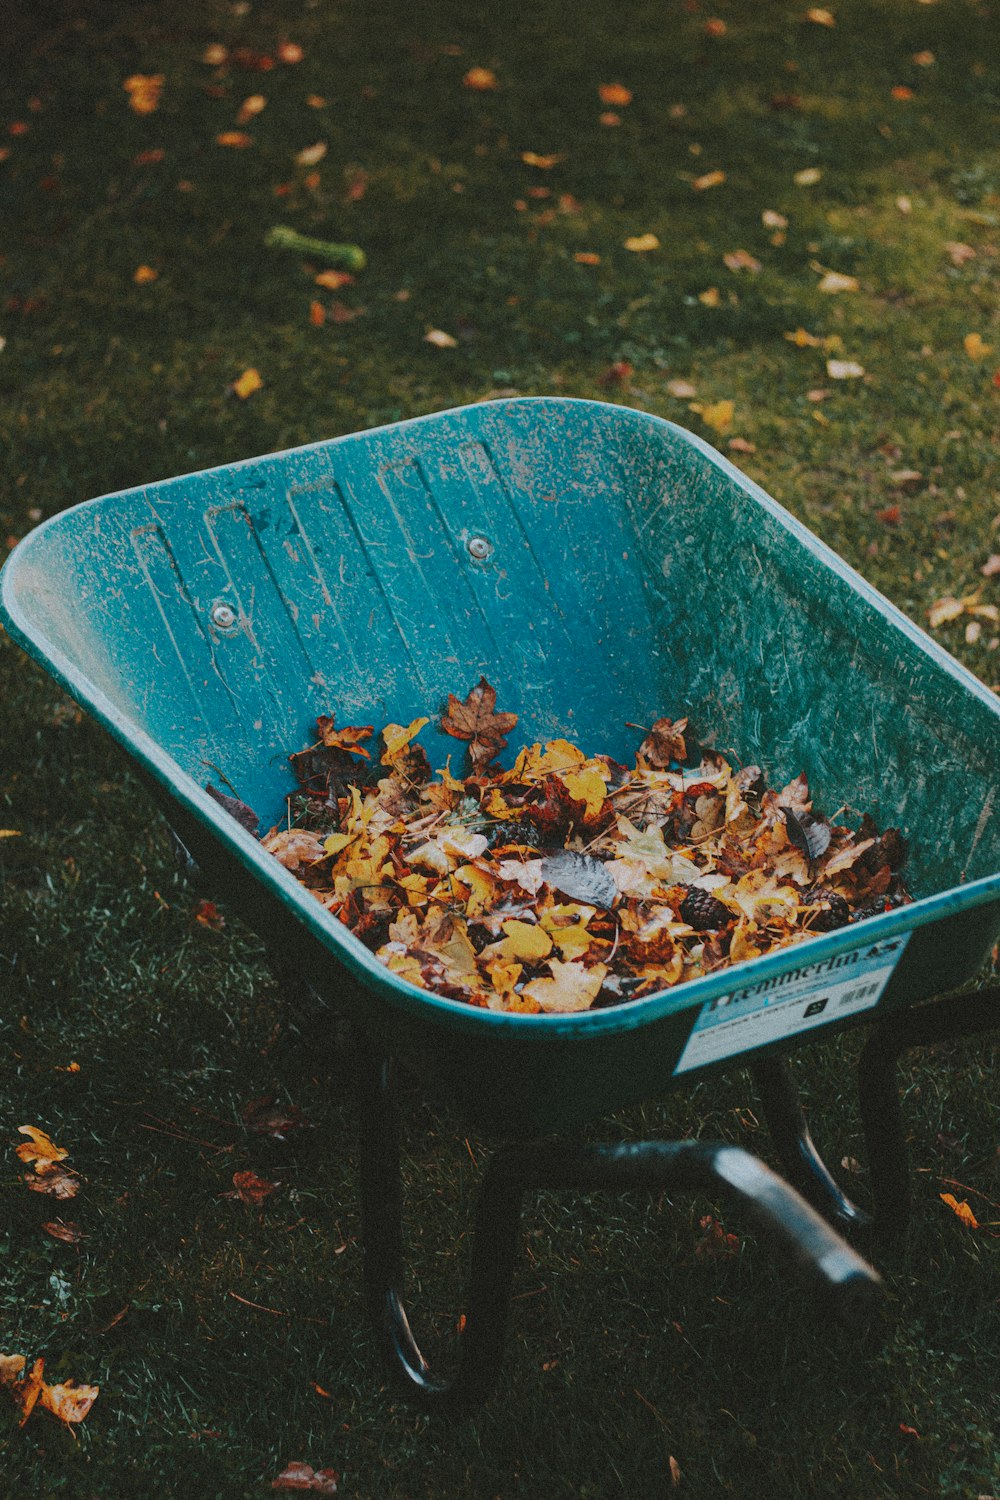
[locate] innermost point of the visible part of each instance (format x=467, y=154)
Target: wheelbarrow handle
x=834, y=1272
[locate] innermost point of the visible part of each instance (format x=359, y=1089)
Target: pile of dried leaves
x=568, y=881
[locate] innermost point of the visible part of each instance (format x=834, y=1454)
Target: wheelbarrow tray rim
x=629, y=1015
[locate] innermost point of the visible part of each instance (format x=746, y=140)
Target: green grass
x=626, y=1347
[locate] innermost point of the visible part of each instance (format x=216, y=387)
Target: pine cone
x=830, y=911
x=702, y=911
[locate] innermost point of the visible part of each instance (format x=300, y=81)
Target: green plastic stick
x=350, y=257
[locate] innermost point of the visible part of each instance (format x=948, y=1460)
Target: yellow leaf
x=68, y=1401
x=215, y=55
x=710, y=297
x=808, y=177
x=614, y=93
x=640, y=243
x=238, y=139
x=310, y=155
x=532, y=159
x=572, y=987
x=960, y=1210
x=143, y=275
x=333, y=280
x=39, y=1148
x=587, y=786
x=144, y=90
x=718, y=415
x=974, y=346
x=248, y=382
x=503, y=975
x=525, y=940
x=572, y=942
x=820, y=17
x=338, y=841
x=440, y=339
x=397, y=737
x=709, y=180
x=803, y=340
x=10, y=833
x=480, y=79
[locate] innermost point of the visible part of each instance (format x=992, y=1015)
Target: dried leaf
x=311, y=156
x=571, y=987
x=943, y=610
x=237, y=140
x=67, y=1231
x=844, y=369
x=587, y=258
x=641, y=243
x=252, y=1189
x=809, y=835
x=265, y=1116
x=249, y=382
x=290, y=53
x=580, y=877
x=961, y=1210
x=710, y=296
x=532, y=159
x=251, y=106
x=820, y=17
x=480, y=79
x=717, y=414
x=477, y=721
x=614, y=93
x=440, y=339
x=709, y=180
x=681, y=390
x=244, y=815
x=974, y=346
x=808, y=177
x=833, y=282
x=989, y=569
x=144, y=275
x=68, y=1401
x=299, y=1476
x=39, y=1150
x=144, y=90
x=665, y=743
x=742, y=260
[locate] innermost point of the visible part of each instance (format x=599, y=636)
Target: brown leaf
x=55, y=1181
x=349, y=738
x=991, y=567
x=665, y=743
x=252, y=1189
x=266, y=1117
x=68, y=1232
x=715, y=1243
x=68, y=1401
x=477, y=721
x=302, y=1477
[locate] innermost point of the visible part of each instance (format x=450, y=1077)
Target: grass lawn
x=227, y=1339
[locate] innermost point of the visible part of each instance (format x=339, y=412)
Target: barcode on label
x=860, y=992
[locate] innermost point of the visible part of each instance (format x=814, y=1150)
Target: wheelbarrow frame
x=526, y=478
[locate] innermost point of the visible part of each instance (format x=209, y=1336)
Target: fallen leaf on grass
x=144, y=90
x=302, y=1477
x=835, y=281
x=924, y=59
x=67, y=1231
x=639, y=244
x=820, y=17
x=215, y=55
x=807, y=177
x=289, y=53
x=960, y=1210
x=989, y=569
x=39, y=1151
x=67, y=1401
x=480, y=79
x=237, y=139
x=901, y=91
x=675, y=1471
x=958, y=253
x=247, y=383
x=908, y=1431
x=310, y=156
x=709, y=180
x=844, y=369
x=614, y=93
x=533, y=159
x=252, y=1189
x=710, y=296
x=773, y=220
x=950, y=608
x=334, y=280
x=616, y=374
x=715, y=27
x=207, y=914
x=718, y=414
x=715, y=1243
x=440, y=339
x=681, y=390
x=10, y=833
x=974, y=346
x=742, y=260
x=609, y=118
x=266, y=1117
x=587, y=258
x=143, y=275
x=250, y=107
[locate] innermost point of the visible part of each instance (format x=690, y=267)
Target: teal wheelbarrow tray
x=600, y=567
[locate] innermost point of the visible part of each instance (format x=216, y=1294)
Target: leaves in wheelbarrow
x=570, y=880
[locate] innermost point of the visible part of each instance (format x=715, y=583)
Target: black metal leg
x=834, y=1273
x=800, y=1161
x=881, y=1113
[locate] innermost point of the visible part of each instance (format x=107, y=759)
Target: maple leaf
x=571, y=987
x=477, y=722
x=665, y=743
x=40, y=1149
x=68, y=1401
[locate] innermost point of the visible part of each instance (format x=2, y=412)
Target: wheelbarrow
x=601, y=567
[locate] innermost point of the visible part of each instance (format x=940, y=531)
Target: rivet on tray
x=479, y=547
x=223, y=616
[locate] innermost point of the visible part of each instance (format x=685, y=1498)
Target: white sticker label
x=811, y=995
